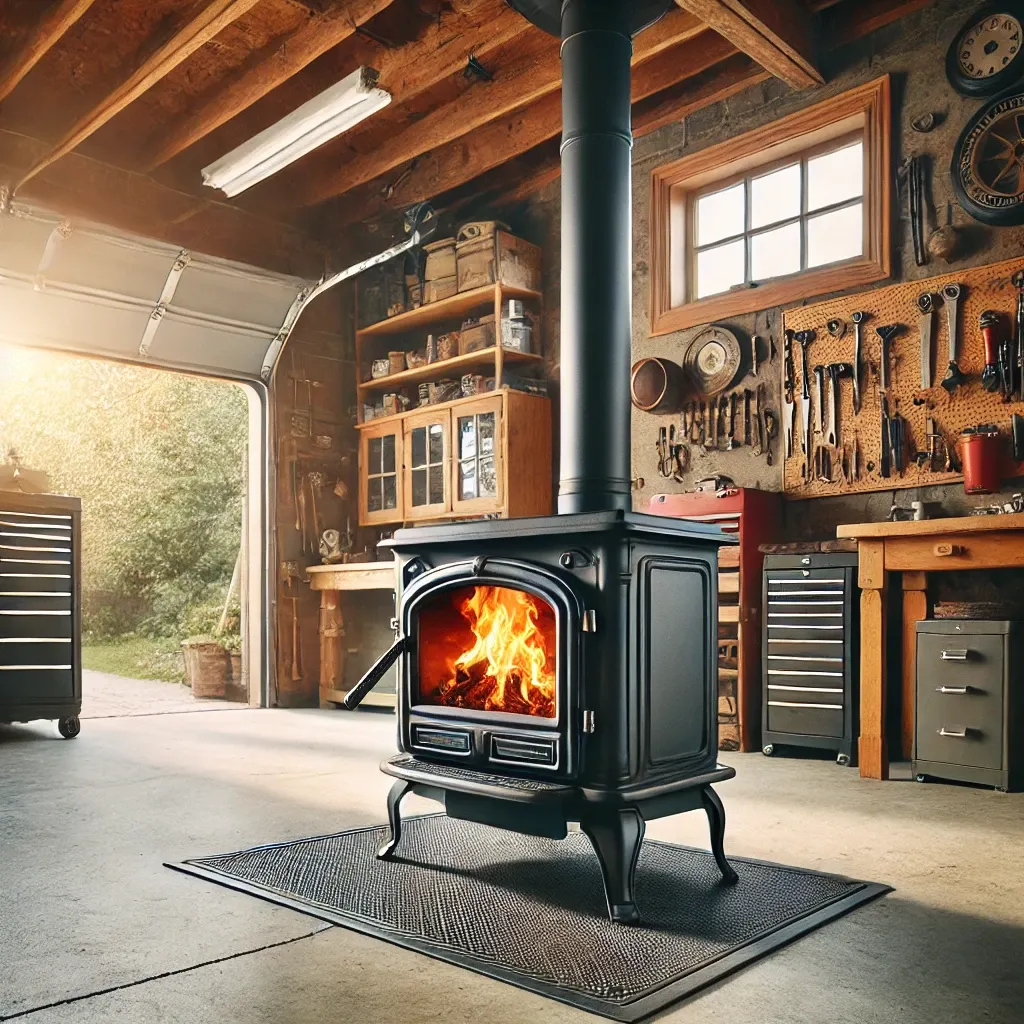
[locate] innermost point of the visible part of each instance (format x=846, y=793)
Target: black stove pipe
x=597, y=245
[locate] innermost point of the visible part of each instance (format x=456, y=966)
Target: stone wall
x=913, y=52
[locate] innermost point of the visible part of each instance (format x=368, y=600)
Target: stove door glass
x=487, y=648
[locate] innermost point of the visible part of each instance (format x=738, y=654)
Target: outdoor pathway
x=108, y=696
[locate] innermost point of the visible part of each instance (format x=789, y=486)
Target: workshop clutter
x=907, y=386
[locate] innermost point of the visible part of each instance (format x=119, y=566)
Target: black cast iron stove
x=563, y=669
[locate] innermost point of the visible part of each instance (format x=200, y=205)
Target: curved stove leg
x=398, y=790
x=716, y=822
x=616, y=836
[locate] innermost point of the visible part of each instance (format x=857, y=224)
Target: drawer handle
x=954, y=734
x=955, y=689
x=946, y=550
x=955, y=655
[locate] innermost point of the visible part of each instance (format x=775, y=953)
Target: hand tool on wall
x=703, y=426
x=771, y=428
x=1017, y=436
x=731, y=443
x=897, y=441
x=885, y=460
x=819, y=411
x=803, y=339
x=886, y=333
x=1018, y=334
x=302, y=511
x=858, y=319
x=1007, y=362
x=758, y=424
x=713, y=414
x=664, y=459
x=836, y=372
x=954, y=378
x=289, y=573
x=316, y=483
x=912, y=174
x=754, y=361
x=990, y=335
x=788, y=417
x=788, y=371
x=723, y=419
x=747, y=396
x=926, y=306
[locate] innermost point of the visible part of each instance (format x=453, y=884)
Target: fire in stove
x=489, y=648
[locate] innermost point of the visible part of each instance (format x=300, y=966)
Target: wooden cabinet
x=484, y=455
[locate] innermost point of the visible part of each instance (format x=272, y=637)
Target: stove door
x=489, y=676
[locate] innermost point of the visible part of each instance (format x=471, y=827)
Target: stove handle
x=355, y=696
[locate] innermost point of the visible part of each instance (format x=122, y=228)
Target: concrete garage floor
x=109, y=696
x=95, y=929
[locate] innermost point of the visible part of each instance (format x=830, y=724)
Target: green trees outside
x=158, y=461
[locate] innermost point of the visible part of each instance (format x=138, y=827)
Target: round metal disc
x=547, y=14
x=712, y=360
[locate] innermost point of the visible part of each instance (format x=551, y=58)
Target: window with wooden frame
x=795, y=209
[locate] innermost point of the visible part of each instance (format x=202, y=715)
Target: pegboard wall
x=983, y=288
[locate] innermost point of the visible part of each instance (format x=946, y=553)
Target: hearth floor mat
x=531, y=911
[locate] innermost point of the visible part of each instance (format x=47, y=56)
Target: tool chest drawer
x=809, y=653
x=968, y=717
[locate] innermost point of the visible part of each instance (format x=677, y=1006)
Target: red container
x=982, y=458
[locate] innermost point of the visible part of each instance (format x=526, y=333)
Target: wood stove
x=563, y=669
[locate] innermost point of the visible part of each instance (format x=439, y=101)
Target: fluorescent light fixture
x=323, y=118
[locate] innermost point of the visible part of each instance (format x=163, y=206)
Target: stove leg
x=716, y=821
x=398, y=790
x=616, y=837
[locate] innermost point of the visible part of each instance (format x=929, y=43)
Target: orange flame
x=507, y=667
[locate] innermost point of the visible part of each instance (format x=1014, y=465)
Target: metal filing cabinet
x=810, y=653
x=969, y=721
x=40, y=617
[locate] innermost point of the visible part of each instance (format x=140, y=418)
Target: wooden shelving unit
x=448, y=312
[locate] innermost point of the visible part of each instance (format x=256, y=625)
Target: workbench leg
x=332, y=645
x=873, y=755
x=915, y=608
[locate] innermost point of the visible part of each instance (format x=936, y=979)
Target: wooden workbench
x=913, y=549
x=331, y=580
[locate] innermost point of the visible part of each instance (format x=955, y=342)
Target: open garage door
x=91, y=290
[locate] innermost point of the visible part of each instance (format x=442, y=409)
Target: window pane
x=835, y=177
x=835, y=236
x=374, y=495
x=436, y=444
x=388, y=458
x=467, y=437
x=374, y=449
x=720, y=215
x=486, y=422
x=775, y=197
x=436, y=487
x=488, y=479
x=390, y=485
x=467, y=480
x=419, y=447
x=419, y=487
x=720, y=268
x=775, y=253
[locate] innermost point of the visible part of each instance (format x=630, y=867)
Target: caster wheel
x=843, y=759
x=69, y=727
x=920, y=778
x=768, y=749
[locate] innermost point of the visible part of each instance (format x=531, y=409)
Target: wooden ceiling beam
x=210, y=19
x=536, y=75
x=48, y=30
x=264, y=71
x=504, y=139
x=855, y=20
x=775, y=33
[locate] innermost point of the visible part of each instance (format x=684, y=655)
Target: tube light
x=323, y=118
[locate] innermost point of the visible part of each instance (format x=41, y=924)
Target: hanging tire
x=69, y=727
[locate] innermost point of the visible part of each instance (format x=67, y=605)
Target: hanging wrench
x=803, y=339
x=954, y=375
x=858, y=334
x=926, y=304
x=819, y=413
x=789, y=417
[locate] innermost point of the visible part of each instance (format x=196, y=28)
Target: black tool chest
x=810, y=653
x=969, y=720
x=40, y=609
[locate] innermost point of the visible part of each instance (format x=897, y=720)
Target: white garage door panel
x=90, y=289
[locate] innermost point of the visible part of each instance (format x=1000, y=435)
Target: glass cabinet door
x=427, y=451
x=478, y=481
x=380, y=484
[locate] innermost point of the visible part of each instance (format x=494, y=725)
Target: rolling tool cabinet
x=40, y=609
x=969, y=722
x=810, y=653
